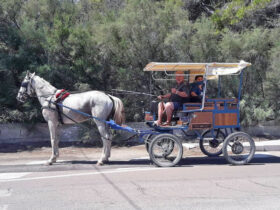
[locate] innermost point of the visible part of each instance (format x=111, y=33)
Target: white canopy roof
x=208, y=69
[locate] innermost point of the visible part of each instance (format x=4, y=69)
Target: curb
x=272, y=145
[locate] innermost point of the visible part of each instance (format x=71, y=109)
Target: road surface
x=131, y=182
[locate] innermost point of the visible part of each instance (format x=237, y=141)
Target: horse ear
x=28, y=74
x=32, y=75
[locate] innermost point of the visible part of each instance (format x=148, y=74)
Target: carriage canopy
x=211, y=70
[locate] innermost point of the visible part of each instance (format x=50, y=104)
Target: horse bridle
x=26, y=85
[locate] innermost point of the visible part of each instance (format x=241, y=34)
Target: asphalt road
x=131, y=182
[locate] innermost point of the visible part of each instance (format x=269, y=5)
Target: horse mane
x=45, y=83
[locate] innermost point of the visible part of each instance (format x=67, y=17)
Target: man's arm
x=193, y=93
x=181, y=93
x=164, y=96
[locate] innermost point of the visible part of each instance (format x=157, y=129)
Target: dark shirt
x=198, y=91
x=182, y=87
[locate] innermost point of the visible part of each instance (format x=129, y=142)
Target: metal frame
x=226, y=110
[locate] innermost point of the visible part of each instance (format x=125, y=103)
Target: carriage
x=214, y=121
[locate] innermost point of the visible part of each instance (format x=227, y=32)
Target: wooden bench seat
x=204, y=119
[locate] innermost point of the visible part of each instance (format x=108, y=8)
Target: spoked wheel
x=239, y=148
x=165, y=150
x=148, y=141
x=211, y=143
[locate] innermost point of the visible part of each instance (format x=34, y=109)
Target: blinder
x=24, y=84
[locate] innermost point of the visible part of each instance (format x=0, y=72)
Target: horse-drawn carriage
x=216, y=117
x=213, y=121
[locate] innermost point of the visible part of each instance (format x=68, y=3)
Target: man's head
x=179, y=76
x=198, y=78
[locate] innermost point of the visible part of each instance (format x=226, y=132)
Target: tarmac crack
x=229, y=188
x=121, y=192
x=139, y=188
x=264, y=185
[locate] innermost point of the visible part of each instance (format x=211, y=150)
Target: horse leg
x=53, y=127
x=106, y=137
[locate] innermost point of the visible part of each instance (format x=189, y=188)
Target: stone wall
x=20, y=133
x=25, y=133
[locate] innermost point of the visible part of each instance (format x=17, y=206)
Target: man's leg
x=169, y=107
x=161, y=107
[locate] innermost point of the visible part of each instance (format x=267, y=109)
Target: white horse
x=94, y=103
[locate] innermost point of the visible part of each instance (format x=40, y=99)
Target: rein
x=129, y=92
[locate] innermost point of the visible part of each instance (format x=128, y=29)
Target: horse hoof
x=48, y=163
x=99, y=163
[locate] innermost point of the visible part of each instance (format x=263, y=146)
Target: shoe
x=156, y=123
x=166, y=124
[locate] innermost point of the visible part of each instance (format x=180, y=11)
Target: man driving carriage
x=177, y=96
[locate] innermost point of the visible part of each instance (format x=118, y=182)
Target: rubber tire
x=202, y=146
x=252, y=148
x=175, y=140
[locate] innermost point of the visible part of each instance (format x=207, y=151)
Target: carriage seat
x=205, y=118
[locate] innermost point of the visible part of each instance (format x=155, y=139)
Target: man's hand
x=160, y=97
x=174, y=91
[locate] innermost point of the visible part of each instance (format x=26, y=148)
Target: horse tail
x=119, y=116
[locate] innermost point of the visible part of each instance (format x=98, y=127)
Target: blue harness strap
x=115, y=126
x=112, y=123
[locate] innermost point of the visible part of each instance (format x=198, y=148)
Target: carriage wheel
x=211, y=144
x=165, y=150
x=148, y=141
x=239, y=148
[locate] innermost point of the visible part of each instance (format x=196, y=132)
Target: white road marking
x=10, y=176
x=82, y=174
x=3, y=207
x=128, y=169
x=41, y=162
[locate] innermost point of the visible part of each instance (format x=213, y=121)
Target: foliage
x=235, y=11
x=104, y=45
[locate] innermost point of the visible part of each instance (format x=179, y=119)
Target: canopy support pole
x=219, y=87
x=240, y=86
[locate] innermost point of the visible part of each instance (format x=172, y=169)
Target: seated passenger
x=176, y=98
x=196, y=92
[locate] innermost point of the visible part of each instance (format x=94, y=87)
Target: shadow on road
x=91, y=165
x=259, y=159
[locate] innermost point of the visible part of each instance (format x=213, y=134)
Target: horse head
x=26, y=89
